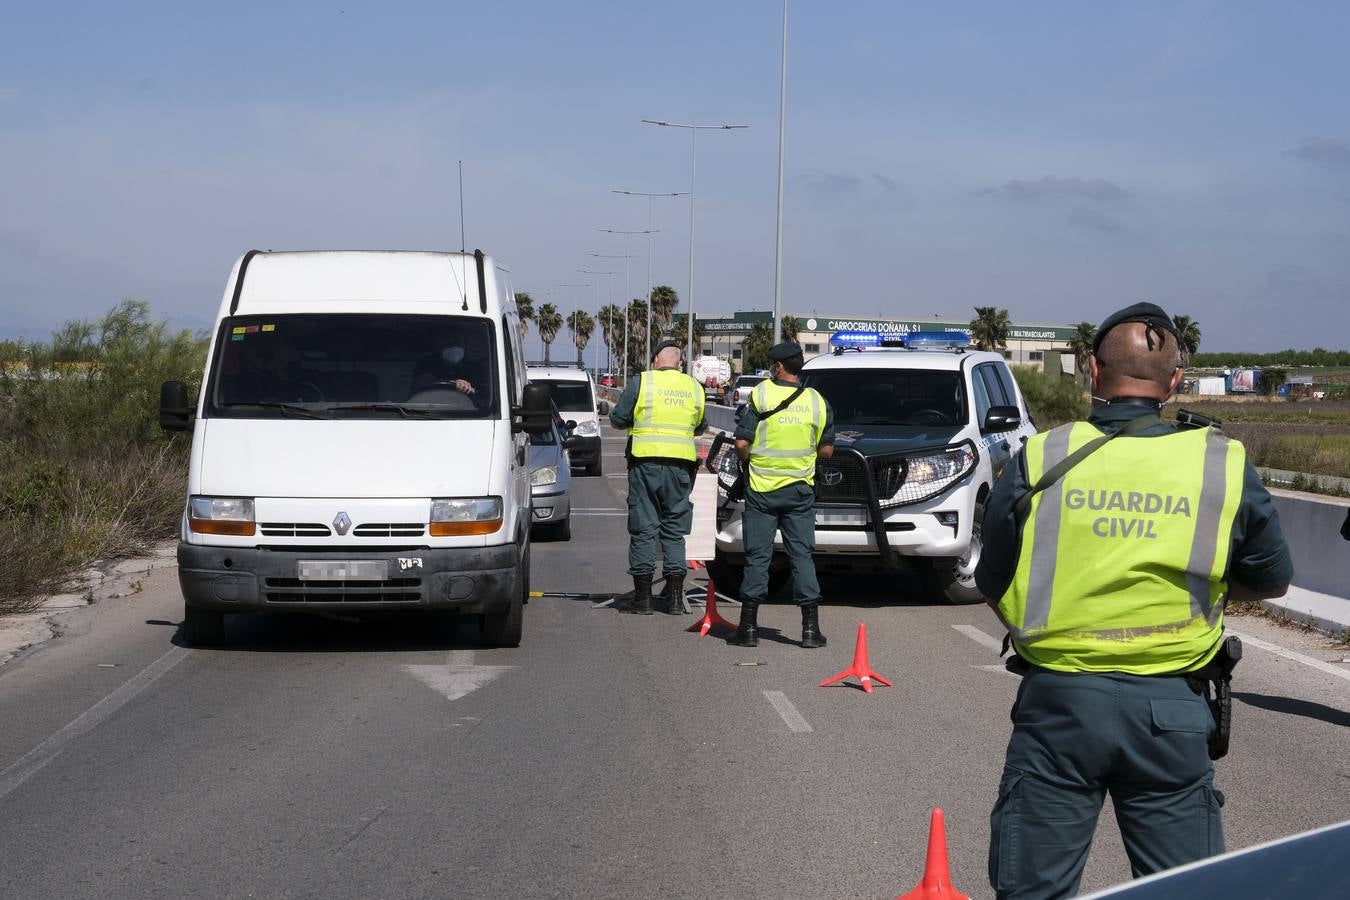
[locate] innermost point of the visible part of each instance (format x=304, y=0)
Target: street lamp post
x=611, y=303
x=778, y=237
x=597, y=290
x=693, y=186
x=649, y=232
x=625, y=256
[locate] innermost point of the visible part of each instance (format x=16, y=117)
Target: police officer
x=782, y=430
x=663, y=407
x=1109, y=550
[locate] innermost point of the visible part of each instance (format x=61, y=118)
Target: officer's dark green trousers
x=791, y=510
x=658, y=506
x=1077, y=737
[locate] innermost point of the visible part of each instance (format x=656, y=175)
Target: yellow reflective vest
x=1122, y=561
x=668, y=409
x=784, y=449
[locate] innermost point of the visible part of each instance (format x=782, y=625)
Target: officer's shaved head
x=669, y=358
x=1136, y=359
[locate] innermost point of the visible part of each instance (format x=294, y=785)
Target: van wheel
x=504, y=628
x=954, y=578
x=202, y=627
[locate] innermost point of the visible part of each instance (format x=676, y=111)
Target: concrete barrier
x=1320, y=596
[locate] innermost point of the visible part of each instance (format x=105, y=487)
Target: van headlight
x=588, y=428
x=544, y=475
x=458, y=516
x=221, y=515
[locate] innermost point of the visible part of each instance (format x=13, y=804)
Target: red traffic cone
x=711, y=617
x=861, y=668
x=937, y=877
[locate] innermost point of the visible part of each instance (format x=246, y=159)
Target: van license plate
x=344, y=570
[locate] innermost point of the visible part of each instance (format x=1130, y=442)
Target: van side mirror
x=602, y=407
x=175, y=413
x=1002, y=418
x=535, y=414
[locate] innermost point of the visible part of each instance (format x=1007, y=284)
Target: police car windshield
x=906, y=397
x=354, y=366
x=571, y=396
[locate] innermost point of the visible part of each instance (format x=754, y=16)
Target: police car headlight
x=728, y=469
x=929, y=475
x=544, y=475
x=221, y=515
x=457, y=516
x=588, y=428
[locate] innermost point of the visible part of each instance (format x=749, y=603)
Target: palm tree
x=1081, y=344
x=790, y=327
x=525, y=307
x=1189, y=329
x=637, y=335
x=989, y=328
x=549, y=321
x=755, y=347
x=664, y=301
x=582, y=327
x=679, y=331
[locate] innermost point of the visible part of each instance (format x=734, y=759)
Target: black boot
x=747, y=634
x=811, y=636
x=674, y=595
x=641, y=603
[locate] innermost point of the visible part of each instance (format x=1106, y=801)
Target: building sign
x=823, y=324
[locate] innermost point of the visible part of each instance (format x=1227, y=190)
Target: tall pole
x=693, y=178
x=778, y=241
x=649, y=232
x=611, y=303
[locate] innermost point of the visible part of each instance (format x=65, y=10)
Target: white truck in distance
x=714, y=373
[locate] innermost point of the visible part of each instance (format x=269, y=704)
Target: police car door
x=987, y=383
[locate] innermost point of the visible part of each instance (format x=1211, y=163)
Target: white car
x=920, y=435
x=574, y=395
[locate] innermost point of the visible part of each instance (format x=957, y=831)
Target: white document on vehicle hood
x=702, y=540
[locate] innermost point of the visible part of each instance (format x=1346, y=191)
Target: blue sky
x=1058, y=159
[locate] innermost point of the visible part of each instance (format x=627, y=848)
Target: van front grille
x=293, y=590
x=389, y=529
x=294, y=529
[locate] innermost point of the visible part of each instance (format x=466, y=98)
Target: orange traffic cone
x=711, y=617
x=861, y=668
x=937, y=877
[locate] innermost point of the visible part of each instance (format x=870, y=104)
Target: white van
x=574, y=394
x=359, y=442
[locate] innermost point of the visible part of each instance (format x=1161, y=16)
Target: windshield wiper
x=287, y=409
x=407, y=412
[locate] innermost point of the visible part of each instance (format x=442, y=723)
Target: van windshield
x=892, y=396
x=571, y=396
x=354, y=366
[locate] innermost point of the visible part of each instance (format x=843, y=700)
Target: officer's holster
x=1214, y=682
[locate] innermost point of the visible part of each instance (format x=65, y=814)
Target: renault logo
x=831, y=477
x=342, y=523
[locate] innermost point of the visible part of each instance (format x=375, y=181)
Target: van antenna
x=464, y=276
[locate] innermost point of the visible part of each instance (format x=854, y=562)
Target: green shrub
x=85, y=472
x=1053, y=398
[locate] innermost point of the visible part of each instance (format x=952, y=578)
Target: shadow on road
x=344, y=633
x=1292, y=707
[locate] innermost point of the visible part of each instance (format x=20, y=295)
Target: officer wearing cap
x=782, y=430
x=1109, y=551
x=663, y=408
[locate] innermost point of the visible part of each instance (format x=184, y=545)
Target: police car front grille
x=389, y=529
x=841, y=480
x=294, y=590
x=294, y=529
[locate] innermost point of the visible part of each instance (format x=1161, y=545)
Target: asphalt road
x=609, y=756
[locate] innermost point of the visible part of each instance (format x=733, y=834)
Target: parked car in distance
x=551, y=481
x=609, y=379
x=740, y=389
x=574, y=396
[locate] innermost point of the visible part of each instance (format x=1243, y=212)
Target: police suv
x=922, y=429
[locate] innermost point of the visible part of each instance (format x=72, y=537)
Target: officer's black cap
x=785, y=350
x=664, y=344
x=1149, y=313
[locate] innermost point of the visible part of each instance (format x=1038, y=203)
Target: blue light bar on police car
x=855, y=339
x=936, y=340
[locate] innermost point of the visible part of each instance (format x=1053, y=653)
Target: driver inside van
x=448, y=368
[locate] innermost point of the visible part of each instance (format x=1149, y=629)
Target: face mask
x=453, y=355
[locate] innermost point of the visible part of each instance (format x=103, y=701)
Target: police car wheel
x=954, y=577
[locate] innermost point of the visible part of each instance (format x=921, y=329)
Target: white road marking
x=460, y=658
x=784, y=706
x=999, y=669
x=36, y=759
x=459, y=677
x=1296, y=657
x=980, y=637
